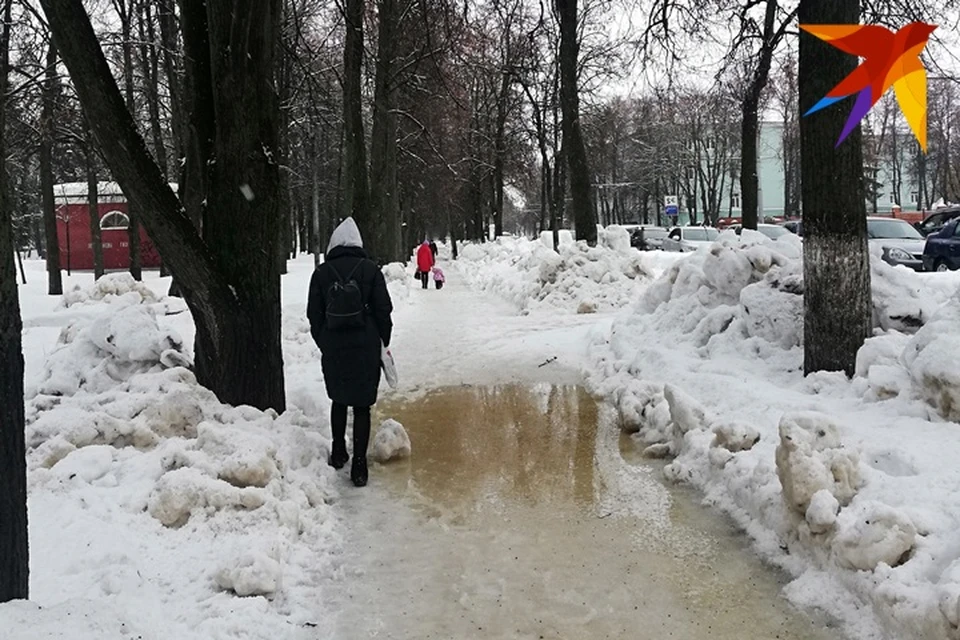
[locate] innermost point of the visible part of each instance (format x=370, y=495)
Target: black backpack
x=345, y=308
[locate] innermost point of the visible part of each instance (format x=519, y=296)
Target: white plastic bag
x=389, y=366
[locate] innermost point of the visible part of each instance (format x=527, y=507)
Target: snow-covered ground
x=154, y=509
x=850, y=485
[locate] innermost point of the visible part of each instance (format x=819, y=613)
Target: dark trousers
x=361, y=428
x=439, y=284
x=425, y=279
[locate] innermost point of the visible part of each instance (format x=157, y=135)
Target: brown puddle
x=525, y=445
x=507, y=522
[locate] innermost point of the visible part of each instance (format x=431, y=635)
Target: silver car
x=901, y=242
x=772, y=231
x=688, y=239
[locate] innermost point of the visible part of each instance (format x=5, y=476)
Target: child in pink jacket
x=438, y=278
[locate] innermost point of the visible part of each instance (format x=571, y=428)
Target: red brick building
x=73, y=228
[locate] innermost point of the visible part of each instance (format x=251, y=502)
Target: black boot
x=338, y=456
x=358, y=471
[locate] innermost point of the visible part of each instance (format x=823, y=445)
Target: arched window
x=115, y=220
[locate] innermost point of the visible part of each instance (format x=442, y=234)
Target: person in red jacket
x=425, y=263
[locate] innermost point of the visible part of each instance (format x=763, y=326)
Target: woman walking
x=349, y=310
x=425, y=262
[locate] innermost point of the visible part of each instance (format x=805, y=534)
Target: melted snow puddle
x=512, y=520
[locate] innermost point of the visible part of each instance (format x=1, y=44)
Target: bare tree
x=14, y=552
x=384, y=196
x=47, y=137
x=585, y=215
x=836, y=261
x=354, y=159
x=125, y=11
x=761, y=26
x=785, y=96
x=229, y=277
x=93, y=206
x=892, y=146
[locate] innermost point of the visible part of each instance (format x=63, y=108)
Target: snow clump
x=391, y=442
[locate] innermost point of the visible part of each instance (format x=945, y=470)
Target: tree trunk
x=315, y=247
x=584, y=213
x=384, y=213
x=94, y=209
x=178, y=120
x=499, y=149
x=749, y=181
x=47, y=126
x=150, y=64
x=785, y=161
x=197, y=110
x=244, y=213
x=229, y=279
x=125, y=13
x=836, y=261
x=287, y=243
x=14, y=550
x=169, y=45
x=354, y=163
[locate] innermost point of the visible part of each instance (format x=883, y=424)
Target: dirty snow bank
x=849, y=485
x=153, y=505
x=579, y=278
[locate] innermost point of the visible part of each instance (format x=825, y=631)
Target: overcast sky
x=702, y=62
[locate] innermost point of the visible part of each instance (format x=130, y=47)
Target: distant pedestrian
x=438, y=278
x=349, y=310
x=425, y=262
x=434, y=250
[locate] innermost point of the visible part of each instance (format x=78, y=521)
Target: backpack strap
x=352, y=271
x=355, y=267
x=335, y=272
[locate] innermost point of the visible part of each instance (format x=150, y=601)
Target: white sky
x=702, y=61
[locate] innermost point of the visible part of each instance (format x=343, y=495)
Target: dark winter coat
x=351, y=358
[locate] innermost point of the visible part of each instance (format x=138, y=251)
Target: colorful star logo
x=890, y=59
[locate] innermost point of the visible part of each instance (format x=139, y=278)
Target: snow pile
x=872, y=534
x=396, y=272
x=254, y=574
x=209, y=457
x=811, y=462
x=96, y=355
x=614, y=238
x=400, y=281
x=565, y=236
x=111, y=288
x=136, y=472
x=930, y=357
x=390, y=443
x=578, y=278
x=846, y=484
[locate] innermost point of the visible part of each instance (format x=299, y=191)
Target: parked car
x=647, y=238
x=942, y=250
x=936, y=220
x=901, y=242
x=772, y=231
x=689, y=238
x=794, y=226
